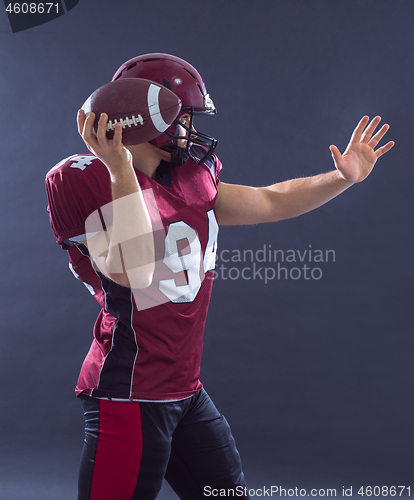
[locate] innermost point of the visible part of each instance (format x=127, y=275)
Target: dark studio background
x=314, y=376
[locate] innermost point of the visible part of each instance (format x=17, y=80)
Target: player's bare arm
x=131, y=221
x=248, y=205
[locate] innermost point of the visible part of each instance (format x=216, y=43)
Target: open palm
x=357, y=161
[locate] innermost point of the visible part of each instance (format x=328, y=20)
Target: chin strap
x=178, y=155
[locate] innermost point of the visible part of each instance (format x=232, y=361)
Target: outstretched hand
x=360, y=155
x=111, y=151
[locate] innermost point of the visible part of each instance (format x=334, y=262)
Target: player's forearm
x=130, y=213
x=131, y=238
x=127, y=253
x=297, y=196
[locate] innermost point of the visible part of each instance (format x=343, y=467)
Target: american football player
x=140, y=224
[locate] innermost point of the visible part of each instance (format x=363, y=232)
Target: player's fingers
x=88, y=127
x=366, y=136
x=81, y=120
x=117, y=139
x=384, y=149
x=101, y=132
x=87, y=135
x=379, y=135
x=336, y=154
x=356, y=135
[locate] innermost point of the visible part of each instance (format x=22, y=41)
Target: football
x=144, y=108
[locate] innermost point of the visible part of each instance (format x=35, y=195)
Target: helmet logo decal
x=208, y=102
x=154, y=108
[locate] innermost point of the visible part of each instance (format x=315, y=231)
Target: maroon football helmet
x=185, y=81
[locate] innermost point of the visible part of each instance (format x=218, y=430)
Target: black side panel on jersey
x=117, y=370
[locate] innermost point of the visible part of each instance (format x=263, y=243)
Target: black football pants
x=131, y=446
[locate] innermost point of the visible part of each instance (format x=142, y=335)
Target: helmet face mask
x=208, y=144
x=185, y=81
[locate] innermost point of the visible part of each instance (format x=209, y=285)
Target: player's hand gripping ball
x=144, y=108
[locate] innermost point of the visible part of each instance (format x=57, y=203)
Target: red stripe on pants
x=119, y=451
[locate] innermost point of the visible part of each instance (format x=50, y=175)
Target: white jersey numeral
x=80, y=162
x=188, y=260
x=211, y=249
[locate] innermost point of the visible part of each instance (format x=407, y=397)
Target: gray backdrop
x=314, y=375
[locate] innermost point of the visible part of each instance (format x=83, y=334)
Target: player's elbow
x=141, y=277
x=138, y=274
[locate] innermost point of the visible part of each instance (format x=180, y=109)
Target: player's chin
x=182, y=143
x=165, y=155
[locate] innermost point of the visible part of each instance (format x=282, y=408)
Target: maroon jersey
x=147, y=343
